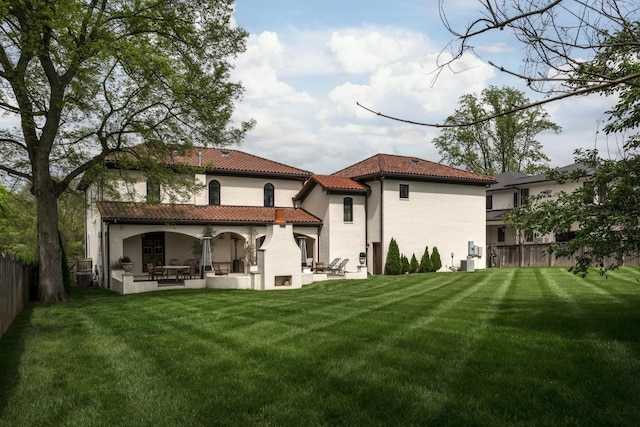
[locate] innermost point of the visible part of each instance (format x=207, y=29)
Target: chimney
x=279, y=217
x=199, y=158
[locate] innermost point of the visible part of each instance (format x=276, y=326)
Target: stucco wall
x=279, y=259
x=435, y=214
x=241, y=191
x=316, y=203
x=346, y=239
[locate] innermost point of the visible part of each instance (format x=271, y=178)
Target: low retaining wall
x=124, y=283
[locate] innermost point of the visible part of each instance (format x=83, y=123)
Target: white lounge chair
x=339, y=270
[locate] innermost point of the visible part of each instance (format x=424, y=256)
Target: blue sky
x=308, y=63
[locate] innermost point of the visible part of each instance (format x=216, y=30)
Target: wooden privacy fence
x=14, y=290
x=535, y=255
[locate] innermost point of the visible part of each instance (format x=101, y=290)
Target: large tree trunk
x=51, y=287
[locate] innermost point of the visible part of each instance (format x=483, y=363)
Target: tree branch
x=577, y=92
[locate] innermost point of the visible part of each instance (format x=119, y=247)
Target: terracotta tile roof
x=331, y=184
x=224, y=159
x=173, y=213
x=409, y=167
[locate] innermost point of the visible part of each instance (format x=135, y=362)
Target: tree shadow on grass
x=11, y=349
x=578, y=365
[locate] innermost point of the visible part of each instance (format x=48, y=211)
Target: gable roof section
x=403, y=167
x=128, y=212
x=332, y=185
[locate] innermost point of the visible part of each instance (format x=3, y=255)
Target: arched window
x=348, y=209
x=214, y=193
x=268, y=195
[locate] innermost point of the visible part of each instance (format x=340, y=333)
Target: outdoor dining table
x=177, y=269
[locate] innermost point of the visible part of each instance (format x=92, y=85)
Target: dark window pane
x=404, y=191
x=268, y=196
x=214, y=193
x=348, y=209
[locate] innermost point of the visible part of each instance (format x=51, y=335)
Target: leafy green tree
x=425, y=261
x=393, y=265
x=414, y=265
x=506, y=143
x=436, y=262
x=18, y=225
x=605, y=206
x=87, y=80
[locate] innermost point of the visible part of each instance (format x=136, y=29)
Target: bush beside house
x=393, y=266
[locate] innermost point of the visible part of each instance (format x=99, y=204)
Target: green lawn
x=535, y=347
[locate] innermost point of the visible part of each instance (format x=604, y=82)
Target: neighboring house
x=511, y=190
x=287, y=215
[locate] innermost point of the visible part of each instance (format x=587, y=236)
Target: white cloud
x=364, y=50
x=302, y=88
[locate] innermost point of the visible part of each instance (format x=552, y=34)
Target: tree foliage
x=425, y=262
x=506, y=143
x=393, y=264
x=413, y=264
x=436, y=262
x=405, y=264
x=604, y=212
x=85, y=80
x=18, y=224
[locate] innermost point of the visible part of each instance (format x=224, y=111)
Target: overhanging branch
x=577, y=92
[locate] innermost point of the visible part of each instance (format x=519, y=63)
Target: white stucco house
x=291, y=220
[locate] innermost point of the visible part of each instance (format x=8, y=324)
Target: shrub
x=405, y=264
x=436, y=263
x=393, y=265
x=413, y=265
x=425, y=261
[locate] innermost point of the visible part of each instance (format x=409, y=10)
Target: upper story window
x=153, y=191
x=348, y=209
x=516, y=199
x=489, y=202
x=268, y=195
x=404, y=191
x=524, y=195
x=214, y=193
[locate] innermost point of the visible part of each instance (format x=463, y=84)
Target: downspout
x=106, y=256
x=366, y=227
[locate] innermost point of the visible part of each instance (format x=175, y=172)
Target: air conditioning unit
x=467, y=265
